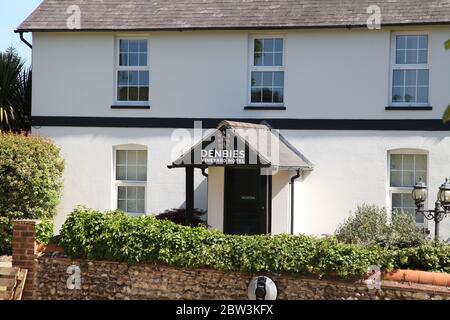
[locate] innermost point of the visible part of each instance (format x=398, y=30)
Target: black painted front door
x=246, y=202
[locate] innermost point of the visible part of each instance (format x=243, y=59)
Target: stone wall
x=52, y=276
x=114, y=280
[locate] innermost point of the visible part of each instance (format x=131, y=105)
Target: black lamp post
x=442, y=205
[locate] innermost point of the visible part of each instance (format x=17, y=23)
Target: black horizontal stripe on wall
x=286, y=124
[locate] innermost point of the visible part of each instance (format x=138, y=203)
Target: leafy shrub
x=44, y=232
x=369, y=226
x=116, y=236
x=30, y=181
x=178, y=216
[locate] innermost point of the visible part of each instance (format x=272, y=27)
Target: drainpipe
x=25, y=40
x=292, y=198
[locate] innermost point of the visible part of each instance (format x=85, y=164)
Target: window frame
x=395, y=66
x=118, y=68
x=129, y=183
x=405, y=190
x=253, y=68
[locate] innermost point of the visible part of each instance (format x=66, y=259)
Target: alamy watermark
x=74, y=279
x=374, y=19
x=73, y=22
x=374, y=279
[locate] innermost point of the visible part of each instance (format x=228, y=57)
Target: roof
x=286, y=156
x=104, y=15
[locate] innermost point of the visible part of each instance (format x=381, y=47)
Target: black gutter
x=292, y=199
x=212, y=28
x=25, y=40
x=204, y=173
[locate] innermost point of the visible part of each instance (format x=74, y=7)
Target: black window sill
x=116, y=106
x=398, y=108
x=265, y=108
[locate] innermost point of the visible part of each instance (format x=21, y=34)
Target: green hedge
x=30, y=181
x=117, y=236
x=44, y=232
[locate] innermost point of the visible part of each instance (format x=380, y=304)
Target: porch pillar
x=189, y=195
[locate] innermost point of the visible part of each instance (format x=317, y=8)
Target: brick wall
x=24, y=253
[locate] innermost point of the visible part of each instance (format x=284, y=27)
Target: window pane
x=122, y=94
x=396, y=161
x=133, y=94
x=132, y=157
x=422, y=78
x=123, y=59
x=398, y=94
x=142, y=59
x=398, y=78
x=258, y=45
x=412, y=42
x=144, y=78
x=268, y=59
x=124, y=46
x=256, y=79
x=143, y=46
x=396, y=200
x=401, y=42
x=132, y=173
x=256, y=95
x=143, y=94
x=278, y=79
x=423, y=57
x=279, y=45
x=122, y=194
x=411, y=57
x=400, y=57
x=131, y=193
x=267, y=79
x=142, y=158
x=140, y=191
x=408, y=179
x=410, y=94
x=410, y=77
x=267, y=95
x=132, y=206
x=121, y=157
x=122, y=205
x=133, y=78
x=408, y=162
x=268, y=45
x=141, y=173
x=122, y=77
x=121, y=173
x=140, y=206
x=421, y=162
x=396, y=178
x=277, y=95
x=134, y=59
x=422, y=95
x=134, y=46
x=278, y=59
x=423, y=42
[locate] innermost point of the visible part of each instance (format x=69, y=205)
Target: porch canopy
x=243, y=144
x=239, y=144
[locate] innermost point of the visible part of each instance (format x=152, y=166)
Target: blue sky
x=12, y=13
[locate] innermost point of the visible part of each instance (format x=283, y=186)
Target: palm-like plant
x=446, y=116
x=15, y=92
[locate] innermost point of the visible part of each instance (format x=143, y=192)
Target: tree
x=15, y=92
x=446, y=116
